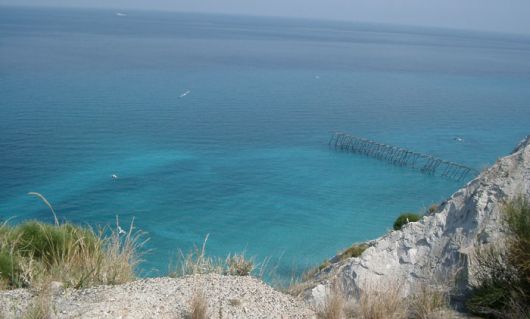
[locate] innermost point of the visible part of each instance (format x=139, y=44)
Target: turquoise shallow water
x=243, y=157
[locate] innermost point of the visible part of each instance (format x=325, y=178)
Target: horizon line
x=316, y=19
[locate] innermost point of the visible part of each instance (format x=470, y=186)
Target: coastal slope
x=439, y=248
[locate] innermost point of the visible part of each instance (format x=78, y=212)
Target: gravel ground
x=227, y=297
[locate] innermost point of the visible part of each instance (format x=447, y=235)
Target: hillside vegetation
x=33, y=254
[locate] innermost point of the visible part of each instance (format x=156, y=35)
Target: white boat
x=184, y=94
x=121, y=14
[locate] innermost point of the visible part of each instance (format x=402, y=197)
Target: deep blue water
x=85, y=94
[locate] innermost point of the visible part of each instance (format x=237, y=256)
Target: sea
x=197, y=125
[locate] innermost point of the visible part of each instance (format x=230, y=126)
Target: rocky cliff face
x=441, y=244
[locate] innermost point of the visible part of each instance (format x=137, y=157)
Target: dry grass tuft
x=41, y=306
x=381, y=301
x=234, y=302
x=45, y=201
x=197, y=262
x=333, y=307
x=300, y=283
x=198, y=305
x=384, y=300
x=426, y=301
x=238, y=265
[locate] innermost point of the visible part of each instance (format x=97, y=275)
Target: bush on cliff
x=404, y=219
x=503, y=289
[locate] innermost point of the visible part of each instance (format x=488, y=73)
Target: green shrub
x=9, y=269
x=405, y=218
x=503, y=289
x=50, y=243
x=490, y=298
x=32, y=253
x=518, y=219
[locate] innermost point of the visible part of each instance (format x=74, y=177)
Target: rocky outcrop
x=439, y=246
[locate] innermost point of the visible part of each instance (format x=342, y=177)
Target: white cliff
x=440, y=245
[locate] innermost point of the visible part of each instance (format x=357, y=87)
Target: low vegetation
x=404, y=219
x=40, y=307
x=355, y=250
x=379, y=301
x=384, y=300
x=238, y=265
x=198, y=305
x=333, y=307
x=325, y=264
x=427, y=300
x=432, y=209
x=197, y=262
x=503, y=276
x=33, y=253
x=299, y=284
